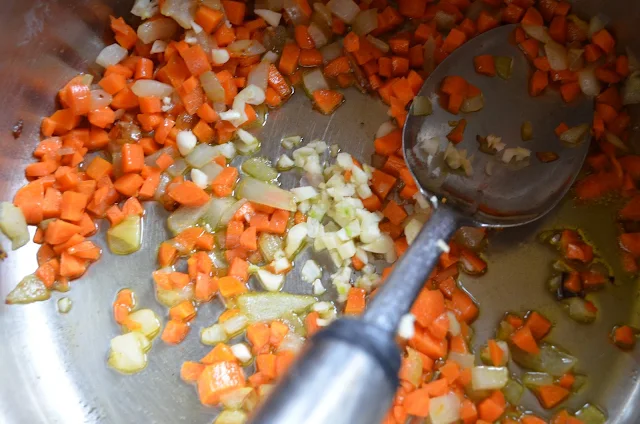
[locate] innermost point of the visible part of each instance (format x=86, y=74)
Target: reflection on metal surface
x=54, y=366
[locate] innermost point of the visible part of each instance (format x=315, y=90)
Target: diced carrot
x=485, y=65
x=183, y=311
x=327, y=101
x=382, y=183
x=388, y=144
x=454, y=39
x=355, y=301
x=225, y=181
x=539, y=82
x=456, y=135
x=550, y=396
x=538, y=324
x=523, y=338
x=175, y=332
x=235, y=11
x=188, y=193
x=424, y=342
x=190, y=371
x=128, y=184
x=208, y=18
x=604, y=40
x=416, y=403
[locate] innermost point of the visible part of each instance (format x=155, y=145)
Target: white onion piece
x=146, y=88
x=262, y=306
x=615, y=140
x=589, y=84
x=252, y=95
x=597, y=23
x=269, y=281
x=246, y=48
x=213, y=335
x=217, y=208
x=228, y=214
x=201, y=155
x=295, y=236
x=182, y=11
x=211, y=170
x=158, y=29
x=259, y=76
x=324, y=12
x=127, y=353
x=100, y=99
x=378, y=43
x=319, y=37
x=179, y=167
x=13, y=225
x=331, y=51
x=444, y=20
x=235, y=324
x=159, y=46
x=539, y=33
x=186, y=216
x=631, y=89
x=347, y=10
x=385, y=128
x=148, y=320
x=111, y=55
x=145, y=8
x=557, y=56
x=575, y=135
x=212, y=87
x=220, y=56
x=365, y=22
x=270, y=17
x=465, y=360
x=314, y=80
x=489, y=378
x=472, y=104
x=295, y=14
x=270, y=57
x=266, y=194
x=444, y=409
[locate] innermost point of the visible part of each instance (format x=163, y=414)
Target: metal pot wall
x=53, y=366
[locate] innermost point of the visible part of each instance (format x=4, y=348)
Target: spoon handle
x=411, y=271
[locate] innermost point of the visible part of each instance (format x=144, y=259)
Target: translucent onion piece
x=330, y=51
x=260, y=168
x=159, y=46
x=182, y=11
x=100, y=99
x=533, y=380
x=185, y=217
x=314, y=80
x=589, y=84
x=148, y=320
x=597, y=23
x=631, y=89
x=212, y=87
x=444, y=409
x=179, y=167
x=145, y=8
x=270, y=17
x=271, y=306
x=201, y=155
x=472, y=104
x=30, y=289
x=126, y=237
x=228, y=214
x=557, y=56
x=269, y=245
x=319, y=36
x=259, y=75
x=13, y=225
x=265, y=194
x=111, y=55
x=575, y=134
x=323, y=13
x=422, y=105
x=146, y=88
x=246, y=48
x=550, y=360
x=295, y=13
x=489, y=378
x=365, y=22
x=347, y=10
x=539, y=33
x=127, y=353
x=378, y=43
x=445, y=21
x=158, y=29
x=386, y=128
x=217, y=207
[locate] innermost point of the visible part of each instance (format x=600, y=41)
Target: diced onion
x=126, y=237
x=217, y=207
x=111, y=55
x=228, y=214
x=235, y=324
x=322, y=12
x=489, y=378
x=365, y=22
x=413, y=368
x=295, y=237
x=270, y=17
x=347, y=10
x=597, y=23
x=331, y=51
x=246, y=48
x=159, y=46
x=444, y=409
x=314, y=80
x=212, y=87
x=465, y=360
x=201, y=155
x=557, y=56
x=158, y=29
x=472, y=104
x=539, y=33
x=213, y=335
x=589, y=84
x=378, y=43
x=615, y=140
x=258, y=76
x=182, y=11
x=270, y=282
x=148, y=321
x=444, y=20
x=271, y=306
x=631, y=89
x=64, y=305
x=575, y=134
x=578, y=310
x=100, y=99
x=318, y=35
x=533, y=380
x=127, y=353
x=211, y=170
x=145, y=8
x=29, y=289
x=294, y=12
x=385, y=128
x=550, y=359
x=147, y=88
x=186, y=216
x=178, y=167
x=13, y=225
x=422, y=105
x=265, y=194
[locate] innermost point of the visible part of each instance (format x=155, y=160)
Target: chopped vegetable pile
x=175, y=103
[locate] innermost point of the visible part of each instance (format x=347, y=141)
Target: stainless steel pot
x=53, y=366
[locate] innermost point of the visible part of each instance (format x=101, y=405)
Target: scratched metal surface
x=54, y=366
